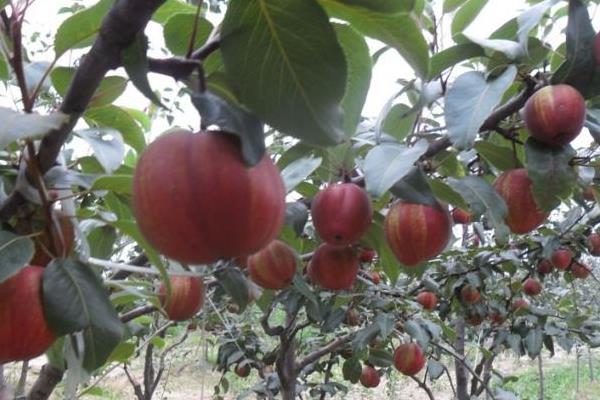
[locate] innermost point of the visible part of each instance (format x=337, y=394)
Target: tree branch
x=328, y=348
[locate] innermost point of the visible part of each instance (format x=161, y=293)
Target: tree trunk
x=1, y=376
x=590, y=364
x=285, y=365
x=20, y=390
x=462, y=392
x=541, y=374
x=577, y=369
x=50, y=376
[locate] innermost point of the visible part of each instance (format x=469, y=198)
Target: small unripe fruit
x=561, y=258
x=367, y=255
x=580, y=270
x=545, y=267
x=532, y=287
x=242, y=370
x=514, y=186
x=24, y=333
x=417, y=232
x=519, y=304
x=555, y=114
x=333, y=267
x=470, y=295
x=460, y=216
x=187, y=297
x=341, y=213
x=497, y=318
x=409, y=359
x=593, y=242
x=196, y=200
x=369, y=377
x=274, y=266
x=428, y=300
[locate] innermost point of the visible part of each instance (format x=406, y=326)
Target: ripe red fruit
x=274, y=266
x=196, y=200
x=417, y=232
x=333, y=267
x=367, y=255
x=369, y=377
x=375, y=277
x=519, y=304
x=532, y=287
x=497, y=318
x=593, y=242
x=24, y=333
x=580, y=270
x=555, y=114
x=409, y=358
x=545, y=267
x=514, y=186
x=187, y=297
x=561, y=258
x=428, y=300
x=341, y=213
x=242, y=370
x=470, y=295
x=460, y=216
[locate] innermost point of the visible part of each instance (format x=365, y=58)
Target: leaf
x=120, y=119
x=446, y=194
x=130, y=229
x=533, y=342
x=109, y=89
x=511, y=49
x=299, y=170
x=359, y=64
x=375, y=239
x=470, y=100
x=383, y=6
x=235, y=284
x=107, y=145
x=414, y=188
x=4, y=67
x=16, y=125
x=75, y=300
x=351, y=370
x=435, y=369
x=416, y=331
x=15, y=253
x=135, y=61
x=500, y=157
x=400, y=31
x=170, y=8
x=579, y=68
x=291, y=74
x=550, y=171
x=399, y=121
x=101, y=241
x=453, y=55
x=483, y=199
x=296, y=216
x=80, y=29
x=380, y=357
x=387, y=163
x=232, y=119
x=451, y=5
x=115, y=183
x=465, y=15
x=178, y=32
x=530, y=18
x=302, y=287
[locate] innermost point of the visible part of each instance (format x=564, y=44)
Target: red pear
x=367, y=255
x=409, y=359
x=428, y=300
x=333, y=267
x=242, y=370
x=460, y=216
x=470, y=295
x=274, y=266
x=187, y=297
x=369, y=377
x=341, y=213
x=545, y=267
x=561, y=258
x=532, y=287
x=519, y=304
x=593, y=242
x=580, y=270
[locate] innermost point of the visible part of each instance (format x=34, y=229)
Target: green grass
x=559, y=383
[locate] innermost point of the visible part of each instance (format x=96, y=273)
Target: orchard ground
x=190, y=375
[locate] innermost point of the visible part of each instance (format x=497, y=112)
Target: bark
x=578, y=357
x=286, y=370
x=590, y=365
x=20, y=390
x=50, y=376
x=541, y=374
x=462, y=382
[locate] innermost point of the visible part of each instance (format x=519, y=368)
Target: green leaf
x=417, y=332
x=298, y=170
x=549, y=169
x=130, y=229
x=375, y=239
x=445, y=193
x=387, y=163
x=109, y=89
x=80, y=29
x=4, y=67
x=122, y=353
x=533, y=342
x=400, y=31
x=435, y=369
x=530, y=18
x=15, y=253
x=170, y=8
x=101, y=241
x=351, y=370
x=232, y=119
x=115, y=183
x=414, y=188
x=120, y=119
x=453, y=55
x=451, y=5
x=107, y=145
x=358, y=61
x=178, y=33
x=465, y=15
x=75, y=300
x=399, y=121
x=500, y=157
x=381, y=357
x=383, y=6
x=235, y=284
x=483, y=199
x=135, y=61
x=296, y=216
x=470, y=100
x=286, y=65
x=578, y=70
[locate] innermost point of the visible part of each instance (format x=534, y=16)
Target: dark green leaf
x=351, y=369
x=235, y=284
x=380, y=357
x=178, y=33
x=399, y=121
x=15, y=253
x=414, y=188
x=453, y=55
x=135, y=61
x=114, y=183
x=500, y=157
x=416, y=331
x=533, y=342
x=299, y=170
x=296, y=216
x=75, y=300
x=291, y=72
x=470, y=100
x=383, y=6
x=549, y=170
x=445, y=193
